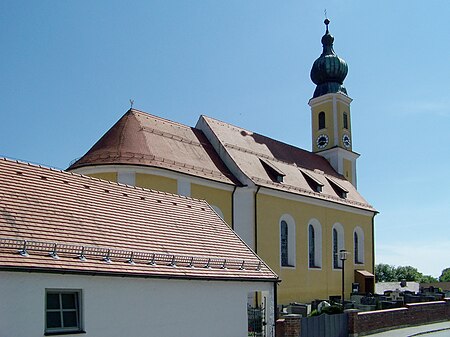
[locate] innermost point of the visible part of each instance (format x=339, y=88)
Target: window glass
x=321, y=120
x=335, y=249
x=54, y=319
x=68, y=301
x=284, y=244
x=53, y=301
x=312, y=247
x=70, y=319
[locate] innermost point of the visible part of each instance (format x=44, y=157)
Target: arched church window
x=315, y=244
x=358, y=245
x=321, y=120
x=338, y=244
x=345, y=118
x=284, y=243
x=287, y=241
x=312, y=247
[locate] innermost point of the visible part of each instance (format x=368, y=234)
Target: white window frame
x=317, y=243
x=358, y=260
x=78, y=309
x=291, y=240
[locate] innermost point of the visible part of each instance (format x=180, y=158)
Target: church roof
x=280, y=166
x=56, y=221
x=139, y=138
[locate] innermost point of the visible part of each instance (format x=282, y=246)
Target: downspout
x=275, y=306
x=373, y=243
x=256, y=232
x=232, y=207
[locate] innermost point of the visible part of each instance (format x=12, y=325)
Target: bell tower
x=330, y=111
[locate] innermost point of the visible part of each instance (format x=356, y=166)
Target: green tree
x=445, y=276
x=388, y=273
x=408, y=273
x=428, y=279
x=385, y=273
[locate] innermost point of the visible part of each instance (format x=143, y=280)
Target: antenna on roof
x=131, y=103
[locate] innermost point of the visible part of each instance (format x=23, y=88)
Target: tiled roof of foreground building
x=139, y=138
x=56, y=221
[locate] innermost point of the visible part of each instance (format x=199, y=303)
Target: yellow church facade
x=295, y=208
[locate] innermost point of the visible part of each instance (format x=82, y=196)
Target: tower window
x=345, y=117
x=321, y=120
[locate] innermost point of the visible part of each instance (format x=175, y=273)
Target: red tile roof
x=139, y=138
x=142, y=232
x=249, y=150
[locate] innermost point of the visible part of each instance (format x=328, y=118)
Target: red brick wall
x=413, y=314
x=288, y=326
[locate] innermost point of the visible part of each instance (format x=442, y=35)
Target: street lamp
x=343, y=256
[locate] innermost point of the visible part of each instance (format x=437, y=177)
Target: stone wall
x=361, y=323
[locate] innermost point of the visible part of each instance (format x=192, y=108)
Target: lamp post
x=343, y=256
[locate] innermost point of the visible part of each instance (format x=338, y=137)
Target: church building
x=297, y=209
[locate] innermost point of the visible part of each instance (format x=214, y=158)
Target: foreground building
x=295, y=208
x=82, y=255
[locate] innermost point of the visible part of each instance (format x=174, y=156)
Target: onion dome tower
x=330, y=110
x=329, y=70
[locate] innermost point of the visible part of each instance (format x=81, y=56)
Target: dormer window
x=274, y=172
x=340, y=190
x=313, y=182
x=321, y=120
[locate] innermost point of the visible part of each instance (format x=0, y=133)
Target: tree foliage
x=385, y=273
x=445, y=276
x=389, y=273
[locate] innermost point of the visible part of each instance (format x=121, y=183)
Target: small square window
x=62, y=311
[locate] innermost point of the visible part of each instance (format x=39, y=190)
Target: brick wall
x=289, y=326
x=361, y=323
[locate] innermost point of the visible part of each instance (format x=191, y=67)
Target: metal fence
x=256, y=321
x=325, y=326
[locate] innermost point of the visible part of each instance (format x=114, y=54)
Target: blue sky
x=69, y=68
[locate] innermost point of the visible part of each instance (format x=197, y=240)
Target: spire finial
x=131, y=103
x=326, y=21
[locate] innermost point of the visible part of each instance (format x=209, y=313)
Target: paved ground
x=431, y=330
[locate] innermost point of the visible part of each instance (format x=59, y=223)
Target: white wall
x=129, y=307
x=244, y=215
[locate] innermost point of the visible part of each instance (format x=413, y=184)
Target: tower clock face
x=322, y=141
x=346, y=140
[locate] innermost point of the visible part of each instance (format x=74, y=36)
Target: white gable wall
x=125, y=306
